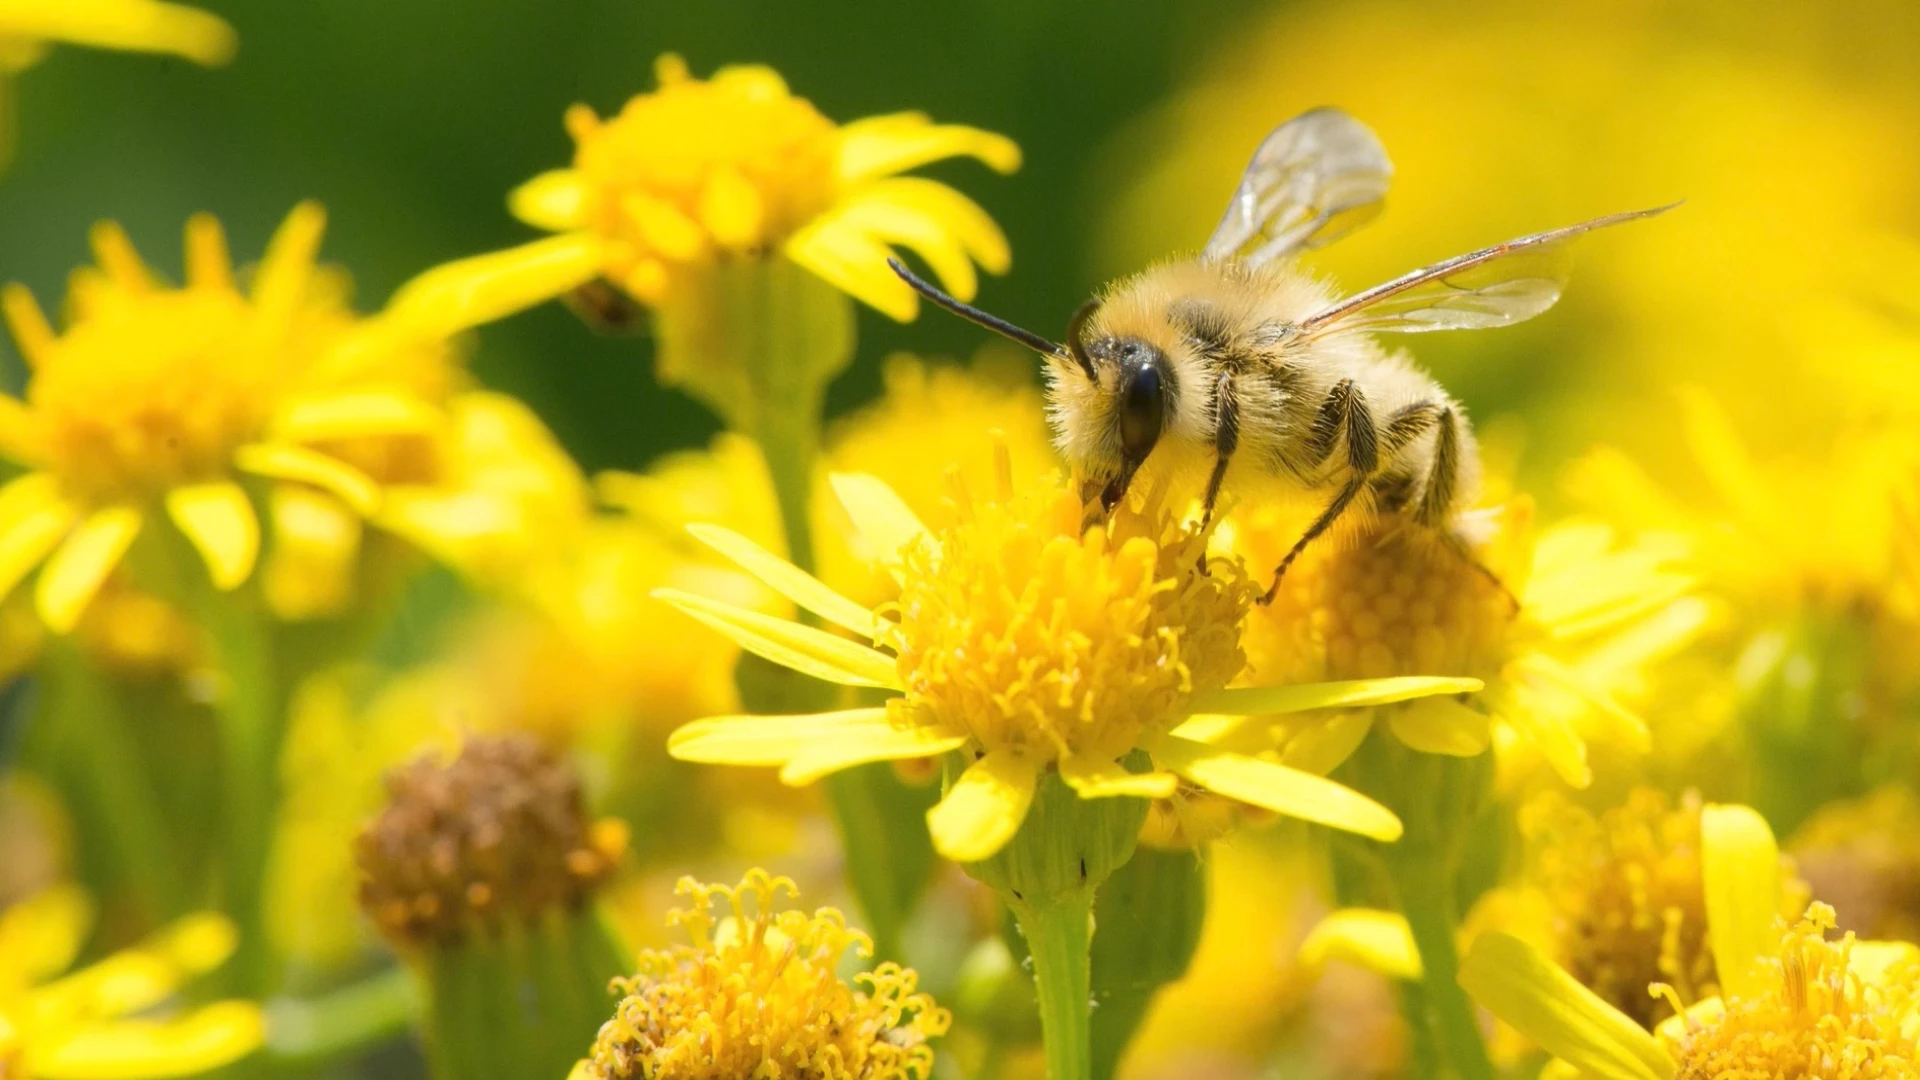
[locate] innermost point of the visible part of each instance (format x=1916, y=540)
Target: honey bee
x=1239, y=364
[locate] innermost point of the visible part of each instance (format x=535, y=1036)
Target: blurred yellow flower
x=90, y=1024
x=158, y=401
x=700, y=171
x=28, y=27
x=1556, y=626
x=758, y=991
x=1031, y=643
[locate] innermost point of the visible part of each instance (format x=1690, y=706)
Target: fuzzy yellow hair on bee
x=1239, y=366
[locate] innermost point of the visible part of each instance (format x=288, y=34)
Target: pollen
x=757, y=993
x=734, y=163
x=1040, y=637
x=499, y=833
x=1814, y=1017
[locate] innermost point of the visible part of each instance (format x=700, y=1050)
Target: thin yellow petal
x=926, y=236
x=33, y=519
x=858, y=747
x=945, y=209
x=788, y=580
x=280, y=282
x=135, y=26
x=80, y=566
x=1518, y=984
x=21, y=438
x=1439, y=725
x=1274, y=700
x=469, y=292
x=802, y=648
x=664, y=227
x=1276, y=787
x=114, y=253
x=883, y=145
x=983, y=808
x=31, y=331
x=1740, y=873
x=355, y=414
x=219, y=519
x=1325, y=744
x=882, y=518
x=766, y=740
x=154, y=1050
x=556, y=200
x=1550, y=732
x=316, y=543
x=140, y=977
x=41, y=935
x=209, y=265
x=1097, y=778
x=279, y=461
x=1376, y=940
x=855, y=263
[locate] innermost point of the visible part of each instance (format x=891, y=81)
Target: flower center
x=1815, y=1018
x=760, y=995
x=157, y=390
x=500, y=832
x=735, y=162
x=1034, y=636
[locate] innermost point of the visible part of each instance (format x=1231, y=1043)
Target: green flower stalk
x=481, y=872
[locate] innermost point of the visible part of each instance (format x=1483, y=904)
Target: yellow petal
x=316, y=543
x=1323, y=746
x=219, y=519
x=153, y=1050
x=939, y=207
x=1518, y=984
x=1547, y=728
x=732, y=209
x=209, y=265
x=883, y=145
x=1273, y=700
x=355, y=414
x=41, y=935
x=855, y=263
x=802, y=648
x=983, y=808
x=1740, y=872
x=1439, y=725
x=1276, y=787
x=665, y=228
x=114, y=253
x=766, y=740
x=556, y=200
x=280, y=461
x=33, y=518
x=883, y=519
x=788, y=580
x=21, y=440
x=31, y=331
x=1376, y=940
x=860, y=746
x=136, y=26
x=280, y=282
x=141, y=977
x=1874, y=962
x=896, y=226
x=1100, y=778
x=465, y=293
x=76, y=571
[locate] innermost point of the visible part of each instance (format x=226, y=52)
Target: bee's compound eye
x=1141, y=409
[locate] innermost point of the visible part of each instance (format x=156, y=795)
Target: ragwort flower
x=91, y=1024
x=1029, y=642
x=758, y=992
x=703, y=170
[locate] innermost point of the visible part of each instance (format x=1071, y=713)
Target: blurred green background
x=411, y=121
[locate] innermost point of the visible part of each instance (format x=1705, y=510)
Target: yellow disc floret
x=1814, y=1017
x=758, y=994
x=1038, y=637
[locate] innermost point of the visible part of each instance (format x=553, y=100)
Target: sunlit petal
x=1740, y=873
x=883, y=145
x=73, y=576
x=984, y=807
x=766, y=740
x=33, y=519
x=851, y=260
x=787, y=579
x=556, y=200
x=280, y=461
x=201, y=1040
x=884, y=520
x=1439, y=725
x=1518, y=984
x=473, y=291
x=1376, y=940
x=802, y=648
x=1273, y=700
x=355, y=414
x=1098, y=778
x=1276, y=787
x=219, y=519
x=863, y=745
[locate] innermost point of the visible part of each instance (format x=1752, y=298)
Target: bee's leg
x=1226, y=439
x=1344, y=411
x=1436, y=502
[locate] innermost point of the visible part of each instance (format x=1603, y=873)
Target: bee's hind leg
x=1435, y=508
x=1345, y=411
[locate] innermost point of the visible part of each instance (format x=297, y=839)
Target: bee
x=1240, y=368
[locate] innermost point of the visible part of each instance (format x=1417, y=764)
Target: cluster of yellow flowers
x=1499, y=802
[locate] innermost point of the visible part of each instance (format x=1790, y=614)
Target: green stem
x=1424, y=880
x=306, y=1033
x=1060, y=940
x=791, y=448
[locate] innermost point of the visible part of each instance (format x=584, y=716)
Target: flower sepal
x=1066, y=847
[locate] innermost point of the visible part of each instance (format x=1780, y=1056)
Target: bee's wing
x=1496, y=286
x=1316, y=178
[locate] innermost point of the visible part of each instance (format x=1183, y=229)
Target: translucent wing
x=1316, y=178
x=1496, y=286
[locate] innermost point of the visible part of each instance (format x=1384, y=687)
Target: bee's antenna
x=1075, y=344
x=980, y=318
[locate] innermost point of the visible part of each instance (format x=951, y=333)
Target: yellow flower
x=1565, y=629
x=1028, y=643
x=93, y=1024
x=160, y=402
x=28, y=27
x=758, y=992
x=700, y=171
x=1790, y=1005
